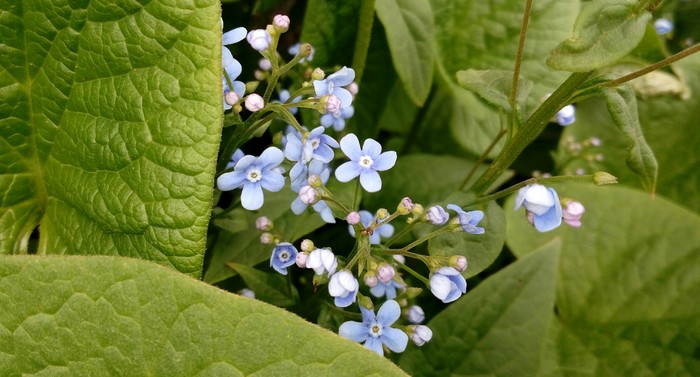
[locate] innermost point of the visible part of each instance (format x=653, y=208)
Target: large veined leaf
x=670, y=128
x=604, y=32
x=96, y=316
x=629, y=279
x=409, y=29
x=110, y=116
x=498, y=329
x=484, y=35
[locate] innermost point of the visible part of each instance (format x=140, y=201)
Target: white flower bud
x=266, y=238
x=415, y=314
x=385, y=272
x=281, y=23
x=353, y=88
x=254, y=102
x=371, y=279
x=231, y=97
x=264, y=64
x=420, y=334
x=263, y=223
x=247, y=293
x=459, y=262
x=322, y=260
x=353, y=218
x=302, y=258
x=307, y=245
x=259, y=39
x=308, y=195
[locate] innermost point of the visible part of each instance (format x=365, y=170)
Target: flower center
x=366, y=161
x=254, y=175
x=375, y=330
x=315, y=143
x=284, y=256
x=331, y=86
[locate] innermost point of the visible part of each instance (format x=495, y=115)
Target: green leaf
x=498, y=329
x=269, y=287
x=629, y=278
x=409, y=30
x=494, y=86
x=483, y=35
x=670, y=128
x=330, y=28
x=605, y=31
x=110, y=124
x=480, y=249
x=622, y=105
x=96, y=316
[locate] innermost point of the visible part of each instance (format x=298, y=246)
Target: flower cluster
x=544, y=209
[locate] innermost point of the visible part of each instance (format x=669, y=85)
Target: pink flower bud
x=266, y=238
x=281, y=23
x=385, y=273
x=332, y=104
x=308, y=195
x=459, y=262
x=254, y=102
x=231, y=98
x=371, y=279
x=420, y=334
x=353, y=218
x=572, y=213
x=302, y=258
x=353, y=88
x=405, y=206
x=263, y=223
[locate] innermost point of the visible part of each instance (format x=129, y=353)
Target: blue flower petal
x=389, y=313
x=298, y=207
x=385, y=161
x=344, y=76
x=244, y=162
x=252, y=197
x=395, y=339
x=231, y=180
x=272, y=181
x=233, y=36
x=375, y=345
x=350, y=145
x=367, y=315
x=348, y=171
x=355, y=331
x=372, y=148
x=270, y=158
x=344, y=302
x=321, y=87
x=369, y=179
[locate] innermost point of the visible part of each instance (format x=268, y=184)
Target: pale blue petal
x=552, y=218
x=327, y=120
x=324, y=153
x=375, y=345
x=233, y=69
x=233, y=36
x=454, y=293
x=369, y=179
x=344, y=96
x=386, y=230
x=244, y=162
x=378, y=290
x=339, y=124
x=367, y=315
x=321, y=87
x=350, y=145
x=455, y=208
x=366, y=217
x=372, y=148
x=374, y=239
x=270, y=158
x=329, y=140
x=348, y=171
x=347, y=112
x=231, y=180
x=298, y=207
x=395, y=339
x=344, y=76
x=520, y=197
x=476, y=217
x=355, y=331
x=325, y=211
x=239, y=88
x=389, y=313
x=385, y=161
x=226, y=56
x=272, y=181
x=252, y=197
x=344, y=302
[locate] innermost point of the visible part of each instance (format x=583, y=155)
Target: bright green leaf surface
x=409, y=30
x=604, y=32
x=670, y=128
x=110, y=119
x=484, y=35
x=628, y=288
x=622, y=105
x=96, y=316
x=498, y=329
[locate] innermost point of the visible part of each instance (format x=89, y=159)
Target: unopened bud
x=602, y=178
x=415, y=314
x=259, y=39
x=308, y=245
x=301, y=259
x=399, y=258
x=572, y=212
x=331, y=104
x=231, y=97
x=437, y=215
x=371, y=279
x=315, y=181
x=405, y=206
x=308, y=195
x=353, y=88
x=266, y=238
x=366, y=302
x=264, y=64
x=459, y=262
x=254, y=102
x=317, y=74
x=385, y=272
x=281, y=23
x=353, y=218
x=382, y=213
x=247, y=293
x=420, y=334
x=263, y=223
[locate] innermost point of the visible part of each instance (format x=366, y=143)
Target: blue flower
x=283, y=256
x=468, y=220
x=254, y=174
x=366, y=218
x=337, y=120
x=333, y=85
x=566, y=115
x=365, y=162
x=437, y=215
x=663, y=26
x=386, y=289
x=230, y=65
x=447, y=284
x=375, y=331
x=543, y=203
x=237, y=155
x=343, y=287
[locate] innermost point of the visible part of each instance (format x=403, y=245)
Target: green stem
x=400, y=234
x=304, y=51
x=481, y=159
x=530, y=181
x=414, y=273
x=356, y=196
x=519, y=57
x=671, y=59
x=529, y=131
x=428, y=236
